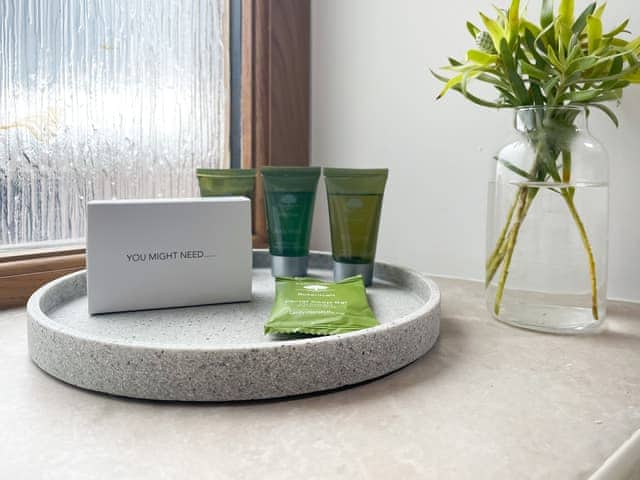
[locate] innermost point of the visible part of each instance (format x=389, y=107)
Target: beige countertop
x=489, y=401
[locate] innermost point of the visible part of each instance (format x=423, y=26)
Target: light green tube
x=355, y=204
x=226, y=182
x=289, y=194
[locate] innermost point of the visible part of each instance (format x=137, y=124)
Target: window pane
x=104, y=99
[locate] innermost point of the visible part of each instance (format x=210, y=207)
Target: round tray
x=219, y=352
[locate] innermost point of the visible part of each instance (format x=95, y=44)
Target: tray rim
x=41, y=317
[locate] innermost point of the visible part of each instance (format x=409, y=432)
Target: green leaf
x=529, y=45
x=502, y=19
x=477, y=100
x=465, y=67
x=633, y=77
x=634, y=45
x=549, y=85
x=616, y=66
x=619, y=42
x=615, y=85
x=607, y=111
x=581, y=64
x=473, y=30
x=528, y=26
x=618, y=30
x=555, y=61
x=536, y=95
x=442, y=78
x=615, y=75
x=493, y=80
x=546, y=15
x=467, y=77
x=613, y=96
x=581, y=22
x=561, y=52
x=534, y=72
x=467, y=95
x=575, y=51
x=495, y=31
x=565, y=11
x=603, y=60
x=582, y=96
x=507, y=95
x=517, y=170
x=481, y=58
x=600, y=11
x=450, y=83
x=546, y=21
x=592, y=95
x=519, y=88
x=514, y=19
x=594, y=32
x=565, y=21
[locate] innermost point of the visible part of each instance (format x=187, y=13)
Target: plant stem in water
x=501, y=245
x=568, y=196
x=566, y=171
x=495, y=259
x=511, y=243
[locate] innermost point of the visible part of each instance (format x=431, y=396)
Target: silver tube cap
x=289, y=266
x=345, y=270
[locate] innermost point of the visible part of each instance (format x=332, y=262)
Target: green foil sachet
x=315, y=307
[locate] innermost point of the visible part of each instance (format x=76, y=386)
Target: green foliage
x=563, y=60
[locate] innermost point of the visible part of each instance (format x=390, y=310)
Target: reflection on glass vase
x=547, y=225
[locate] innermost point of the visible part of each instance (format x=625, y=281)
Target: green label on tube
x=289, y=219
x=289, y=194
x=355, y=205
x=354, y=226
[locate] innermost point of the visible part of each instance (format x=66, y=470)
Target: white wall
x=373, y=106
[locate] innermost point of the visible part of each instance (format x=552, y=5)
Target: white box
x=144, y=254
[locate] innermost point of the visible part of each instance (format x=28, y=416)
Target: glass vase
x=547, y=227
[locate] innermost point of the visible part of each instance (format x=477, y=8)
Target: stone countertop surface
x=489, y=401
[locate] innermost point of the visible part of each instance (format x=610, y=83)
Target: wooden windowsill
x=30, y=254
x=22, y=274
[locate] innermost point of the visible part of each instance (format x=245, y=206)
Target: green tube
x=289, y=194
x=226, y=182
x=355, y=205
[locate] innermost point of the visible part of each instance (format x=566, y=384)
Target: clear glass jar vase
x=547, y=228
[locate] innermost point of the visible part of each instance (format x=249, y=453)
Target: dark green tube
x=289, y=194
x=355, y=204
x=226, y=182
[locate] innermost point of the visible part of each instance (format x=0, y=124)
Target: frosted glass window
x=104, y=99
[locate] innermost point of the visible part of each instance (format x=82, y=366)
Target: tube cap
x=289, y=266
x=345, y=270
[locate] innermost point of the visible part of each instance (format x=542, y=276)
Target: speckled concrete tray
x=218, y=352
